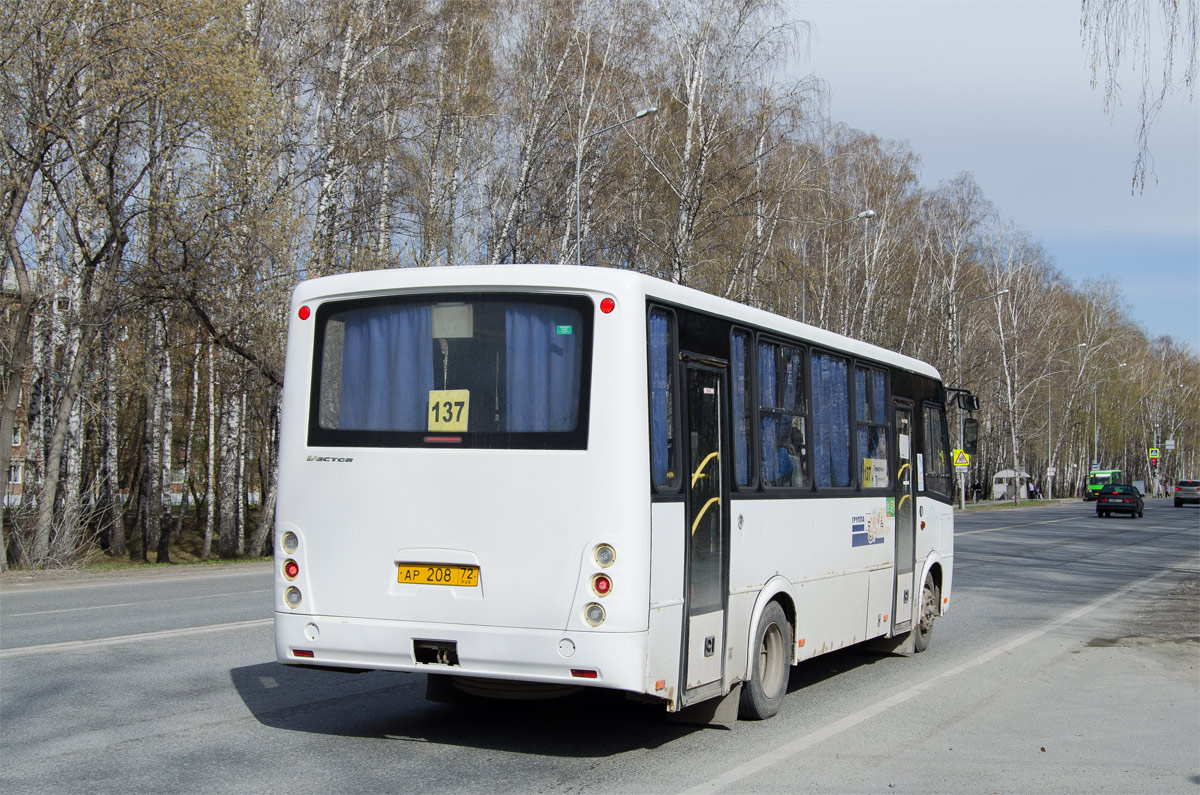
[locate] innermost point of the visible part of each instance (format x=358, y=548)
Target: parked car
x=1120, y=499
x=1187, y=491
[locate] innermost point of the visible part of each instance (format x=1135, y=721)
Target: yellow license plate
x=438, y=574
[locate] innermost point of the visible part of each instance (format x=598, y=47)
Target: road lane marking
x=98, y=643
x=137, y=604
x=730, y=778
x=13, y=583
x=1011, y=526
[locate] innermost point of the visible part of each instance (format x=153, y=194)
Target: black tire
x=763, y=692
x=929, y=606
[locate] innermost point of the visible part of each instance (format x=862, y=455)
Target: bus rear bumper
x=614, y=660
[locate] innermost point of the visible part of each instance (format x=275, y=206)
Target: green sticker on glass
x=565, y=329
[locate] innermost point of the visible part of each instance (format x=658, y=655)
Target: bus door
x=906, y=498
x=707, y=529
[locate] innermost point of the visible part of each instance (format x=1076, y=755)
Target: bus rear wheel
x=929, y=606
x=763, y=693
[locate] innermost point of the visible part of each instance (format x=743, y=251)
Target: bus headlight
x=594, y=614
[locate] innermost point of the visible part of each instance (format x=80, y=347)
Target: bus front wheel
x=929, y=606
x=769, y=668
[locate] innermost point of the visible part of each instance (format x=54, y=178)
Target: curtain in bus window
x=878, y=397
x=387, y=369
x=870, y=397
x=862, y=406
x=769, y=423
x=660, y=398
x=541, y=367
x=741, y=427
x=831, y=421
x=791, y=379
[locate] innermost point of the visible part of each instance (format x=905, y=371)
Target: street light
x=962, y=475
x=1049, y=419
x=804, y=258
x=1096, y=415
x=650, y=111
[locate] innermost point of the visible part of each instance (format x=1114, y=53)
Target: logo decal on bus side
x=330, y=459
x=868, y=530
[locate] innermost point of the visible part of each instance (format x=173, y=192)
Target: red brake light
x=304, y=313
x=301, y=653
x=583, y=674
x=601, y=584
x=607, y=305
x=291, y=569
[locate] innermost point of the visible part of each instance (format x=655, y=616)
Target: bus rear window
x=479, y=370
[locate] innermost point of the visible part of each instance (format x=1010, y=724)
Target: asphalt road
x=1070, y=662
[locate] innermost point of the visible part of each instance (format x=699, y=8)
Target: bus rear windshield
x=479, y=370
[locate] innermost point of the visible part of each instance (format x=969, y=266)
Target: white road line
x=12, y=583
x=1011, y=526
x=760, y=763
x=98, y=643
x=137, y=604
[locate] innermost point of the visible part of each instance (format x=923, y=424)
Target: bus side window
x=743, y=418
x=831, y=421
x=664, y=451
x=937, y=452
x=871, y=419
x=784, y=453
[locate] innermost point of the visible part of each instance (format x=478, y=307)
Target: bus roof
x=574, y=277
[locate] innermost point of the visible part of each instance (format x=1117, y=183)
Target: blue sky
x=1001, y=88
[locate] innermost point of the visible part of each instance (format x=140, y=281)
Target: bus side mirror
x=970, y=434
x=968, y=402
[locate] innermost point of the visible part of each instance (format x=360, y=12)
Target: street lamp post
x=650, y=111
x=1050, y=419
x=962, y=494
x=1096, y=416
x=804, y=258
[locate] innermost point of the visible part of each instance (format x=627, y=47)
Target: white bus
x=512, y=475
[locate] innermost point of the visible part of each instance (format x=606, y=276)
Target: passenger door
x=707, y=530
x=906, y=498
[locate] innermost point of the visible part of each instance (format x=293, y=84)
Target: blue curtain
x=660, y=340
x=387, y=369
x=741, y=429
x=831, y=421
x=878, y=402
x=541, y=365
x=792, y=380
x=769, y=423
x=862, y=409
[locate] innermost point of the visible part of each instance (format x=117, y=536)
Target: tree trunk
x=209, y=485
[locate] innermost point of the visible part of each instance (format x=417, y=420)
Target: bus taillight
x=594, y=614
x=291, y=569
x=601, y=584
